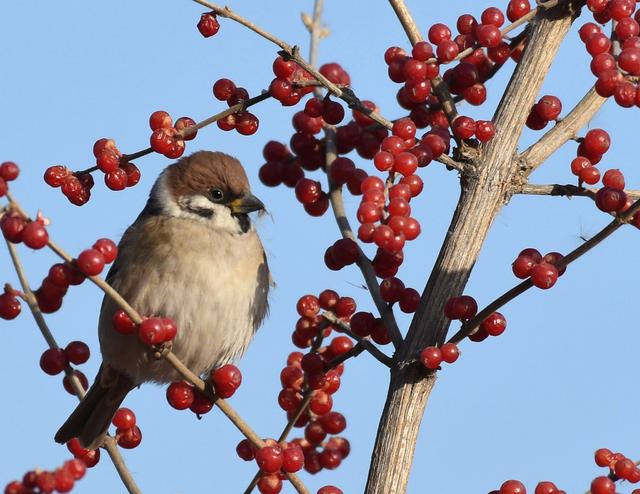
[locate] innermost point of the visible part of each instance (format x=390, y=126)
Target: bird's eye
x=216, y=195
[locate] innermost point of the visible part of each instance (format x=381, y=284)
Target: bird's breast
x=210, y=283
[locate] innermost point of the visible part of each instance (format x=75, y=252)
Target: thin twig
x=470, y=326
x=109, y=443
x=368, y=345
x=566, y=190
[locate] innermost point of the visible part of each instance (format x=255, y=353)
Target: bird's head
x=209, y=187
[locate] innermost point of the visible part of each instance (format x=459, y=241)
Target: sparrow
x=192, y=255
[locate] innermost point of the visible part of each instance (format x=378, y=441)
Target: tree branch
x=566, y=190
x=471, y=325
x=566, y=129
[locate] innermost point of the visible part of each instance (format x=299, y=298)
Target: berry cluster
x=616, y=72
x=547, y=108
x=464, y=308
x=61, y=276
x=167, y=138
x=431, y=356
x=208, y=24
x=16, y=228
x=275, y=460
x=289, y=87
x=39, y=481
x=517, y=487
x=620, y=467
x=53, y=361
x=8, y=171
x=542, y=270
x=90, y=457
x=243, y=122
x=119, y=173
x=128, y=434
x=151, y=331
x=182, y=395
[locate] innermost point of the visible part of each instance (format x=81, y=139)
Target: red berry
x=611, y=200
x=464, y=127
x=77, y=352
x=544, y=275
x=160, y=119
x=463, y=307
x=293, y=458
x=613, y=178
x=116, y=179
x=512, y=487
x=69, y=380
x=308, y=306
x=35, y=235
x=183, y=126
x=495, y=324
x=180, y=395
x=122, y=323
x=208, y=24
x=548, y=107
x=9, y=171
x=603, y=457
x=152, y=331
x=409, y=300
x=124, y=418
x=269, y=459
x=485, y=130
x=53, y=361
x=517, y=9
x=596, y=141
x=333, y=422
x=55, y=175
x=201, y=404
x=245, y=450
x=603, y=485
x=545, y=487
x=91, y=262
x=223, y=89
x=9, y=306
x=226, y=380
x=439, y=32
x=107, y=248
x=129, y=438
x=450, y=352
x=431, y=357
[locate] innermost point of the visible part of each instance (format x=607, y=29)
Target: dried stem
x=566, y=190
x=30, y=298
x=470, y=326
x=566, y=129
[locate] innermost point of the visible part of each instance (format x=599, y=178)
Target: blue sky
x=532, y=404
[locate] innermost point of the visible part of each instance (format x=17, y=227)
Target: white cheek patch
x=195, y=207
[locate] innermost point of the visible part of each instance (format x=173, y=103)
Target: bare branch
x=566, y=190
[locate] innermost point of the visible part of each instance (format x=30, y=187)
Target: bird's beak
x=246, y=204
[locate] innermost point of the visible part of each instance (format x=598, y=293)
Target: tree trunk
x=484, y=191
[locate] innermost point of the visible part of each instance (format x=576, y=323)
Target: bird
x=192, y=255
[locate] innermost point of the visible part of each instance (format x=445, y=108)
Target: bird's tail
x=90, y=420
